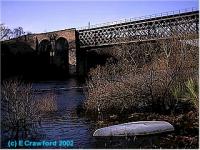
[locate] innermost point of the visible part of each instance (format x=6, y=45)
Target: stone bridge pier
x=58, y=47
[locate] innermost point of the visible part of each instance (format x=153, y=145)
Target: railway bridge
x=69, y=47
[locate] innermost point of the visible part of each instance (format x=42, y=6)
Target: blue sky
x=44, y=16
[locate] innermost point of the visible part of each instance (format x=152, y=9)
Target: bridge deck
x=141, y=30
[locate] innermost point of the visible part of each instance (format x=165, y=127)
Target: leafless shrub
x=19, y=113
x=143, y=77
x=47, y=103
x=21, y=110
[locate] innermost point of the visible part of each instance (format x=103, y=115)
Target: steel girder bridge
x=153, y=27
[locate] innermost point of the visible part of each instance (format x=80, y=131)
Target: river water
x=66, y=124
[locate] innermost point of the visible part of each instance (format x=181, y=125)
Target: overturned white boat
x=135, y=128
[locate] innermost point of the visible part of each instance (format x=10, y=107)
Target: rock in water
x=135, y=128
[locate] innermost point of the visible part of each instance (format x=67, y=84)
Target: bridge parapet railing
x=163, y=14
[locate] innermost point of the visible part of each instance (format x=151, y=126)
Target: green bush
x=187, y=92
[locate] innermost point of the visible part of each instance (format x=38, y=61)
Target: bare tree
x=6, y=33
x=17, y=32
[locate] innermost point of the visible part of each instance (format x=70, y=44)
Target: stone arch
x=44, y=49
x=62, y=46
x=44, y=46
x=61, y=55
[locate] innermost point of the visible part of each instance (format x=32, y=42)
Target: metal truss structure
x=150, y=28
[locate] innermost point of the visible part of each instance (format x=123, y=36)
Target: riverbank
x=148, y=81
x=186, y=134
